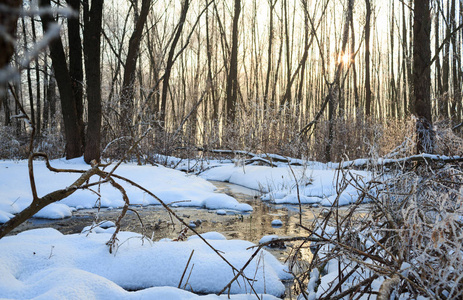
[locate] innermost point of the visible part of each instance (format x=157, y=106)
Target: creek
x=157, y=224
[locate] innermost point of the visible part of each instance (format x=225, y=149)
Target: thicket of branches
x=406, y=243
x=260, y=74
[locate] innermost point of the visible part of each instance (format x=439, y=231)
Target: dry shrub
x=255, y=130
x=12, y=145
x=408, y=242
x=447, y=142
x=16, y=146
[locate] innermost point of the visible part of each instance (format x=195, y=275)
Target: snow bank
x=171, y=186
x=46, y=264
x=317, y=182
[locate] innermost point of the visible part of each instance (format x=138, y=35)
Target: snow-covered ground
x=45, y=264
x=172, y=186
x=317, y=182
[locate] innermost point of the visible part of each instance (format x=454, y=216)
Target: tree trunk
x=8, y=21
x=422, y=75
x=446, y=71
x=333, y=96
x=92, y=33
x=63, y=79
x=130, y=68
x=46, y=103
x=5, y=104
x=392, y=86
x=232, y=78
x=210, y=79
x=405, y=63
x=28, y=72
x=75, y=65
x=170, y=62
x=272, y=4
x=456, y=103
x=38, y=123
x=438, y=78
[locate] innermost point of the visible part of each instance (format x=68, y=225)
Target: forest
x=351, y=110
x=325, y=80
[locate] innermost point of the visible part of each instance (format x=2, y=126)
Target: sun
x=344, y=58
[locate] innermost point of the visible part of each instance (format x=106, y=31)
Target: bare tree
x=75, y=64
x=232, y=78
x=422, y=75
x=130, y=65
x=170, y=61
x=92, y=49
x=74, y=142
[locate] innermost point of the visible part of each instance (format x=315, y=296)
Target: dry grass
x=408, y=242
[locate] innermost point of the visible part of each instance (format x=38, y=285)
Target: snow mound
x=171, y=186
x=277, y=222
x=54, y=211
x=309, y=184
x=213, y=235
x=222, y=201
x=46, y=264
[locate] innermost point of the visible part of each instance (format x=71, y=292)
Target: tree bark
x=8, y=21
x=272, y=4
x=38, y=123
x=68, y=104
x=4, y=103
x=446, y=71
x=75, y=65
x=130, y=67
x=456, y=101
x=28, y=73
x=170, y=62
x=232, y=78
x=92, y=33
x=422, y=75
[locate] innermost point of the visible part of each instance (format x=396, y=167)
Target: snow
x=268, y=238
x=316, y=181
x=277, y=222
x=221, y=212
x=172, y=186
x=107, y=224
x=45, y=264
x=55, y=211
x=213, y=235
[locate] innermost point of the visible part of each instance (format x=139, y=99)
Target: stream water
x=158, y=224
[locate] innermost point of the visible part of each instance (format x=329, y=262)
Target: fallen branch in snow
x=240, y=272
x=40, y=202
x=267, y=158
x=388, y=162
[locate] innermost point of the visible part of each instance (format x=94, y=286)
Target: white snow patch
x=46, y=264
x=55, y=211
x=171, y=186
x=277, y=222
x=316, y=182
x=213, y=235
